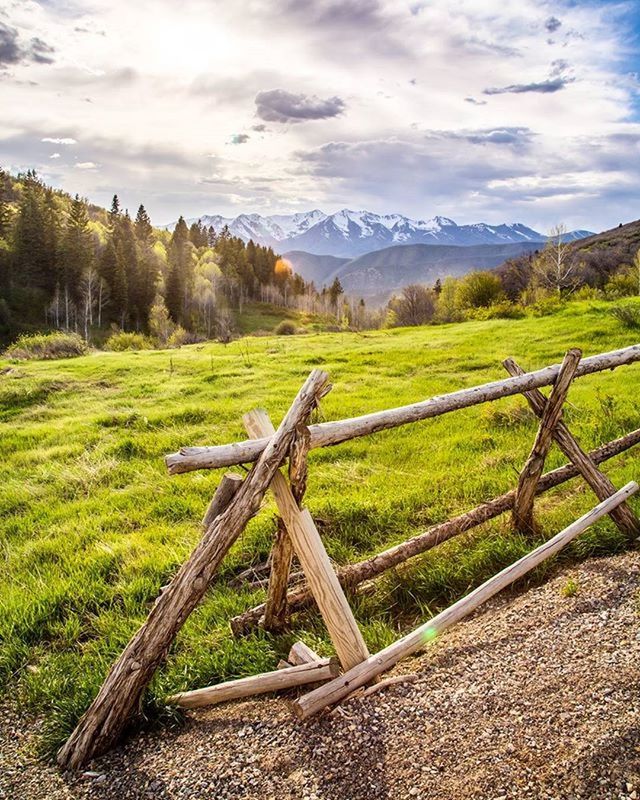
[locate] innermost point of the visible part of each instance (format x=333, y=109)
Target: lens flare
x=282, y=267
x=430, y=634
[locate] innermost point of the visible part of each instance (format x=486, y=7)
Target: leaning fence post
x=336, y=612
x=275, y=611
x=108, y=714
x=532, y=470
x=622, y=515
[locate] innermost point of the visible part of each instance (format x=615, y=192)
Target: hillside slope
x=377, y=275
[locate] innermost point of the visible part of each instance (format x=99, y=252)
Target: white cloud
x=467, y=93
x=65, y=140
x=54, y=155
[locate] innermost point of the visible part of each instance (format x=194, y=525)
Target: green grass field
x=92, y=525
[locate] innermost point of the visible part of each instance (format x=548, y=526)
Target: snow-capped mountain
x=351, y=233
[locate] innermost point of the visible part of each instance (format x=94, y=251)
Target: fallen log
x=530, y=475
x=275, y=681
x=325, y=434
x=336, y=690
x=353, y=574
x=107, y=716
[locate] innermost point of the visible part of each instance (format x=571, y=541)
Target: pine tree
x=177, y=273
x=77, y=256
x=147, y=267
x=129, y=249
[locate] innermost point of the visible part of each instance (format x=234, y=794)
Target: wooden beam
x=622, y=515
x=352, y=575
x=333, y=605
x=120, y=694
x=333, y=692
x=275, y=612
x=523, y=508
x=300, y=653
x=223, y=495
x=330, y=433
x=275, y=681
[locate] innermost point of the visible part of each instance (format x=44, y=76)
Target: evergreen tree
x=77, y=257
x=147, y=267
x=177, y=273
x=129, y=249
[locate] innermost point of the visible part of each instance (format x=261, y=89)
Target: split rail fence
x=237, y=499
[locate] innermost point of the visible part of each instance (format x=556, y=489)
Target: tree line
x=67, y=264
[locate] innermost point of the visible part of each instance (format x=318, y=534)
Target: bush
x=121, y=341
x=47, y=345
x=478, y=289
x=180, y=336
x=285, y=328
x=501, y=310
x=628, y=315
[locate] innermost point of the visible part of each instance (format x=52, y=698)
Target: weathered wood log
x=352, y=575
x=108, y=714
x=622, y=515
x=275, y=612
x=330, y=433
x=275, y=681
x=334, y=608
x=333, y=692
x=530, y=475
x=223, y=495
x=301, y=653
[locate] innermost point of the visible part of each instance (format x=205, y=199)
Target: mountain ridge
x=348, y=234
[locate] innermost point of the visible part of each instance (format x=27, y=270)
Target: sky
x=478, y=110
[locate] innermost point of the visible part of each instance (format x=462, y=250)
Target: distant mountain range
x=378, y=274
x=347, y=234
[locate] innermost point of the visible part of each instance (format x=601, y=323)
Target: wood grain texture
x=228, y=486
x=530, y=475
x=334, y=608
x=120, y=694
x=337, y=689
x=301, y=653
x=330, y=433
x=622, y=515
x=352, y=575
x=278, y=680
x=275, y=611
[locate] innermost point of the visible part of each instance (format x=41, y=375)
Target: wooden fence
x=237, y=499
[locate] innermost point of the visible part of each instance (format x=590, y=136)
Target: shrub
x=479, y=289
x=121, y=341
x=180, y=336
x=502, y=310
x=285, y=328
x=47, y=345
x=628, y=315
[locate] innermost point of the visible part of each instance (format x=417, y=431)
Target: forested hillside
x=67, y=264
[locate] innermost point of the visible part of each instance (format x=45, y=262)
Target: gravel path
x=537, y=696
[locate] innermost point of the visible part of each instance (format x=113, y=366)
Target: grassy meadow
x=91, y=524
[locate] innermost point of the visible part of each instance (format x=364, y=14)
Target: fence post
x=336, y=612
x=622, y=515
x=523, y=508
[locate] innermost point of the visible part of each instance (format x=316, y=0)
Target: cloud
x=12, y=51
x=86, y=165
x=545, y=87
x=239, y=138
x=54, y=155
x=277, y=105
x=63, y=140
x=261, y=128
x=510, y=136
x=552, y=24
x=475, y=102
